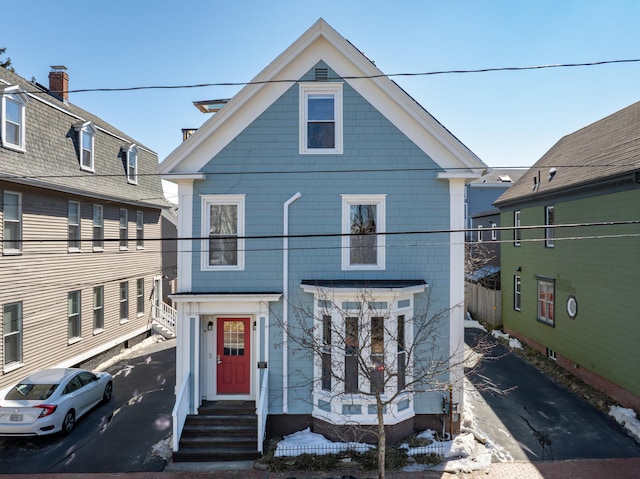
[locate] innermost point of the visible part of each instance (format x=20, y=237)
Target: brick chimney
x=59, y=82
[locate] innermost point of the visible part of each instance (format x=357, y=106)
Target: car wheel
x=108, y=391
x=69, y=422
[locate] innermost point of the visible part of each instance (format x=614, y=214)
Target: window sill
x=132, y=182
x=74, y=340
x=98, y=249
x=11, y=253
x=139, y=247
x=124, y=248
x=98, y=331
x=140, y=315
x=551, y=324
x=12, y=367
x=74, y=250
x=18, y=148
x=87, y=169
x=124, y=321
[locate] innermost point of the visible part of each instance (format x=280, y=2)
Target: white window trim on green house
x=348, y=202
x=517, y=292
x=13, y=118
x=549, y=220
x=517, y=233
x=12, y=223
x=213, y=207
x=320, y=91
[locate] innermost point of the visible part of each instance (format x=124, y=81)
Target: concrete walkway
x=578, y=469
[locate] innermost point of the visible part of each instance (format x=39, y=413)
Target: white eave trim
x=177, y=178
x=463, y=175
x=225, y=298
x=338, y=291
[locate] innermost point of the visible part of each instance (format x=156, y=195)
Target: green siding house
x=570, y=265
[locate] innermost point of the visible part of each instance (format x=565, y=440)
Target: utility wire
x=355, y=77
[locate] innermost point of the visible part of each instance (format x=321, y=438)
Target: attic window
x=321, y=74
x=86, y=134
x=132, y=164
x=12, y=117
x=320, y=118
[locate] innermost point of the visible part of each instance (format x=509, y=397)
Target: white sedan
x=51, y=401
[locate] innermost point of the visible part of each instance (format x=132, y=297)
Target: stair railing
x=180, y=411
x=165, y=315
x=262, y=411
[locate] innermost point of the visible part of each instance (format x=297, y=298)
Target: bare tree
x=365, y=349
x=6, y=64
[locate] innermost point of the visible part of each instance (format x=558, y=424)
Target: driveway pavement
x=533, y=418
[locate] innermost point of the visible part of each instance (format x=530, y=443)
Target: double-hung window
x=124, y=302
x=546, y=300
x=74, y=226
x=517, y=292
x=363, y=227
x=98, y=309
x=549, y=220
x=12, y=334
x=12, y=222
x=124, y=229
x=321, y=118
x=517, y=233
x=12, y=117
x=86, y=134
x=98, y=228
x=480, y=228
x=74, y=320
x=139, y=229
x=132, y=164
x=140, y=296
x=223, y=228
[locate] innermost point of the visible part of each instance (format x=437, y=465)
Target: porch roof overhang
x=353, y=286
x=225, y=297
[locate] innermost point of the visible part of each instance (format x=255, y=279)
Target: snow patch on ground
x=307, y=442
x=513, y=342
x=130, y=351
x=163, y=449
x=626, y=418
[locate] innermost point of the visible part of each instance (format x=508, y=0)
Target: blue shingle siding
x=263, y=163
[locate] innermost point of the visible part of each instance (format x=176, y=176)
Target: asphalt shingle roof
x=606, y=149
x=51, y=159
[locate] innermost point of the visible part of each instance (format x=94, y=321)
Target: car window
x=86, y=378
x=31, y=392
x=73, y=385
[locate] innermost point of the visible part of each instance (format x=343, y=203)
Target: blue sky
x=507, y=118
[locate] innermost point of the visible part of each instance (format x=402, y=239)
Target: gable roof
x=322, y=43
x=603, y=151
x=51, y=158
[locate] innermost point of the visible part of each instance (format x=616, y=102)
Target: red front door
x=234, y=356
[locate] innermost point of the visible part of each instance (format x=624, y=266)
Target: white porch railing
x=180, y=411
x=165, y=315
x=261, y=409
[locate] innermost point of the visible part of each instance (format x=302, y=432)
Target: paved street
x=115, y=437
x=536, y=419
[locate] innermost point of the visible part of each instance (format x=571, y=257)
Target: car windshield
x=32, y=392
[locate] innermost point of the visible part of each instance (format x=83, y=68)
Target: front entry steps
x=221, y=431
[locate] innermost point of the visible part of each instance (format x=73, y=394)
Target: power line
x=354, y=77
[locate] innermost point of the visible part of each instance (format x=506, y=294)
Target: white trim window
x=363, y=228
x=12, y=335
x=132, y=164
x=98, y=228
x=12, y=222
x=140, y=296
x=86, y=142
x=73, y=221
x=223, y=226
x=494, y=231
x=517, y=292
x=124, y=229
x=546, y=301
x=364, y=342
x=549, y=220
x=124, y=301
x=13, y=118
x=74, y=319
x=321, y=118
x=98, y=309
x=517, y=233
x=139, y=229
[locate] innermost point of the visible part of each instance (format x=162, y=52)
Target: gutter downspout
x=285, y=304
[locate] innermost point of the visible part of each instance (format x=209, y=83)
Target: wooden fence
x=484, y=304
